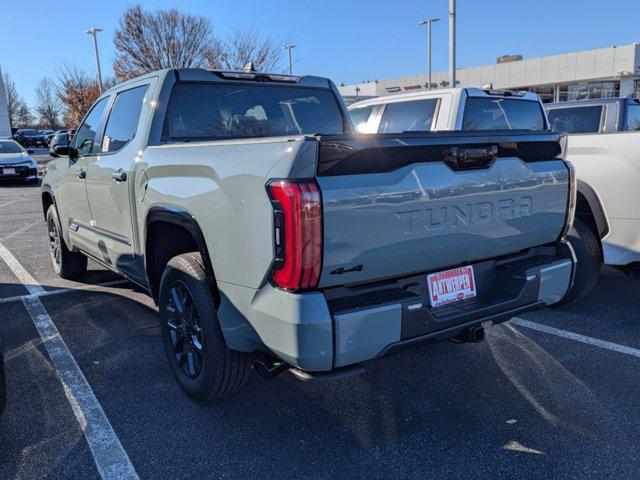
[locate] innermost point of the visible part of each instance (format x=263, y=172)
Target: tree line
x=144, y=41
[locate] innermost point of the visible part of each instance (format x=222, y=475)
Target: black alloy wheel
x=54, y=241
x=185, y=331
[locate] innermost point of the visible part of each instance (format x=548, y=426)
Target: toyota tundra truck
x=272, y=236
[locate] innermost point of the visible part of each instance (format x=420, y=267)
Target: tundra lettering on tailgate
x=438, y=218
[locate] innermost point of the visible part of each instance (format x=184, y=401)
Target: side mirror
x=64, y=151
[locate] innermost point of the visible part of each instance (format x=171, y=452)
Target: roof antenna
x=249, y=67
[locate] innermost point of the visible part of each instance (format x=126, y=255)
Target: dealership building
x=605, y=72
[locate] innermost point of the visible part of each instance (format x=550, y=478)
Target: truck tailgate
x=397, y=205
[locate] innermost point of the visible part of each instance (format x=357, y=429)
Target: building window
x=545, y=92
x=584, y=91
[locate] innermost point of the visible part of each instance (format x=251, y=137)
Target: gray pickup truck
x=271, y=236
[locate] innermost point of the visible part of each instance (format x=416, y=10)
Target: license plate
x=8, y=171
x=451, y=286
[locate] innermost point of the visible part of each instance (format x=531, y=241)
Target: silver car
x=16, y=163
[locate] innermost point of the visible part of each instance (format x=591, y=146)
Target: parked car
x=60, y=139
x=470, y=109
x=450, y=109
x=267, y=232
x=16, y=163
x=30, y=138
x=603, y=142
x=48, y=135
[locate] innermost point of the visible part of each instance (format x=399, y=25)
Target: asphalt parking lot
x=552, y=396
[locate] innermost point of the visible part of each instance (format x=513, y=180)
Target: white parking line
x=596, y=342
x=18, y=270
x=8, y=203
x=48, y=293
x=110, y=458
x=18, y=232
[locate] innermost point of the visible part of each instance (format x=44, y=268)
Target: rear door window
x=413, y=116
x=123, y=119
x=585, y=119
x=633, y=117
x=209, y=111
x=502, y=114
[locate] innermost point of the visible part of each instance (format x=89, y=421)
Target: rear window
x=217, y=112
x=502, y=114
x=414, y=116
x=576, y=119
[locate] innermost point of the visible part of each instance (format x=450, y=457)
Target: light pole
x=289, y=47
x=428, y=22
x=93, y=31
x=452, y=42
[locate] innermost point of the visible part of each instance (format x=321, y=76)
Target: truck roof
x=592, y=101
x=470, y=91
x=202, y=74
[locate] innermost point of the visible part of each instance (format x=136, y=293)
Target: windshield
x=10, y=147
x=29, y=132
x=502, y=114
x=216, y=112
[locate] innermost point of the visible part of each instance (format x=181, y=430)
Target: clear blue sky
x=348, y=40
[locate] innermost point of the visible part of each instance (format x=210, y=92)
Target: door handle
x=81, y=173
x=119, y=175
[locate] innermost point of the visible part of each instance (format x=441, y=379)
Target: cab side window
x=123, y=119
x=576, y=119
x=360, y=117
x=86, y=135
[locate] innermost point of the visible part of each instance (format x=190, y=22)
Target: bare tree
x=49, y=106
x=151, y=40
x=15, y=102
x=148, y=41
x=77, y=91
x=244, y=46
x=24, y=117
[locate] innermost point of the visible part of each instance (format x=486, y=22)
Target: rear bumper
x=321, y=331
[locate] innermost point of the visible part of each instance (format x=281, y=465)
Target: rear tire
x=589, y=255
x=67, y=264
x=203, y=365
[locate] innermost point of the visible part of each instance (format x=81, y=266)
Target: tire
x=589, y=255
x=213, y=370
x=67, y=264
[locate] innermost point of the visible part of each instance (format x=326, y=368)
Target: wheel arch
x=48, y=198
x=589, y=210
x=186, y=235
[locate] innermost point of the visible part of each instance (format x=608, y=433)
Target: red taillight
x=298, y=233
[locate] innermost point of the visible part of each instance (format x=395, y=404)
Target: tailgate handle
x=468, y=158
